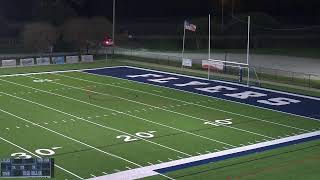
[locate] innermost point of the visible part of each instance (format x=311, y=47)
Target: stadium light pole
x=113, y=20
x=222, y=15
x=232, y=8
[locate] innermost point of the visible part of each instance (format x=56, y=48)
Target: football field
x=106, y=126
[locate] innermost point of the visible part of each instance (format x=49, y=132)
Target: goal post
x=228, y=68
x=231, y=71
x=217, y=64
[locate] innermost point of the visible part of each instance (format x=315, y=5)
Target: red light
x=107, y=42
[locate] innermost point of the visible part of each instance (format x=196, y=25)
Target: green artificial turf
x=97, y=123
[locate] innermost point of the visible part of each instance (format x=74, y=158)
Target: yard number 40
x=42, y=80
x=224, y=122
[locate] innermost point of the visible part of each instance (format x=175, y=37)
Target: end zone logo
x=223, y=90
x=289, y=103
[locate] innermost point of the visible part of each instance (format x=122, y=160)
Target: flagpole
x=183, y=41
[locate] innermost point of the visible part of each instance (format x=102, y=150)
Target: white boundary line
x=143, y=119
x=97, y=124
x=105, y=84
x=67, y=137
x=226, y=82
x=178, y=100
x=253, y=87
x=181, y=114
x=70, y=138
x=3, y=139
x=213, y=97
x=151, y=170
x=53, y=72
x=180, y=75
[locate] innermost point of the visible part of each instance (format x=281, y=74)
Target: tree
x=102, y=27
x=39, y=36
x=77, y=32
x=4, y=26
x=53, y=11
x=84, y=32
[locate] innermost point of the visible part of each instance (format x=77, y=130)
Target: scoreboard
x=24, y=168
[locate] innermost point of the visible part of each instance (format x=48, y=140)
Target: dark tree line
x=41, y=25
x=78, y=32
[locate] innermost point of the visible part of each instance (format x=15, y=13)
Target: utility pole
x=222, y=15
x=232, y=8
x=114, y=20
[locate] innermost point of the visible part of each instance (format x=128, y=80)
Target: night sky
x=303, y=11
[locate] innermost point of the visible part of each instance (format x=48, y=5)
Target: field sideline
x=100, y=125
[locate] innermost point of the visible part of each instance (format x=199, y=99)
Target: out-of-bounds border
x=201, y=159
x=294, y=104
x=209, y=158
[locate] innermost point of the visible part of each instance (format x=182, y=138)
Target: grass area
x=103, y=125
x=295, y=52
x=298, y=52
x=31, y=69
x=298, y=162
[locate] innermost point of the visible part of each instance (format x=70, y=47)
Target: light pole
x=114, y=20
x=222, y=14
x=232, y=8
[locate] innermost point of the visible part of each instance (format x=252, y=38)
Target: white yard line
x=72, y=139
x=183, y=75
x=151, y=170
x=226, y=82
x=167, y=110
x=81, y=70
x=178, y=100
x=63, y=169
x=53, y=72
x=143, y=119
x=97, y=124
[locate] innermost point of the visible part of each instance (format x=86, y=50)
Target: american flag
x=189, y=26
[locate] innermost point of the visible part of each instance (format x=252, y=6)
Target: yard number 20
x=144, y=135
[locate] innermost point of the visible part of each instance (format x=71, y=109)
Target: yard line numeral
x=42, y=80
x=45, y=152
x=145, y=135
x=21, y=155
x=41, y=152
x=220, y=122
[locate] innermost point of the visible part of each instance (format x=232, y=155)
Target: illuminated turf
x=95, y=125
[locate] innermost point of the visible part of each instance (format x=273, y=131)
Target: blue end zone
x=295, y=104
x=234, y=155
